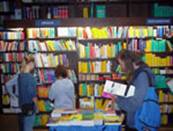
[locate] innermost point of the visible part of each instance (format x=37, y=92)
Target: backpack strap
x=140, y=70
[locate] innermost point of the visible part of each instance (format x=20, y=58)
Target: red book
x=92, y=51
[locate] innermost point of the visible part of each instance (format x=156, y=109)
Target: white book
x=43, y=46
x=97, y=51
x=88, y=31
x=119, y=89
x=62, y=32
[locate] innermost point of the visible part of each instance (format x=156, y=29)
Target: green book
x=100, y=11
x=87, y=50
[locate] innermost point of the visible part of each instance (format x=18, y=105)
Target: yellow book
x=137, y=32
x=79, y=67
x=145, y=32
x=102, y=51
x=109, y=51
x=124, y=45
x=80, y=90
x=148, y=46
x=99, y=104
x=84, y=67
x=104, y=33
x=85, y=12
x=103, y=66
x=82, y=52
x=131, y=32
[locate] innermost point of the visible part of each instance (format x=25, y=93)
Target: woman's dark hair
x=130, y=57
x=61, y=71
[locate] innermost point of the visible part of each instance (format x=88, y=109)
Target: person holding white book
x=132, y=64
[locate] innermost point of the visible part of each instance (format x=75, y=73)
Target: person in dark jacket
x=131, y=63
x=27, y=92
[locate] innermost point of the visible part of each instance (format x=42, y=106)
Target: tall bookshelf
x=12, y=51
x=151, y=36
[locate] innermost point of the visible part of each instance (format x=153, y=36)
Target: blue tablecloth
x=86, y=128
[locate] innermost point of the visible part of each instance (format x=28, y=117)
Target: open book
x=118, y=89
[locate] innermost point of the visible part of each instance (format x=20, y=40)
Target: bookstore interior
x=85, y=37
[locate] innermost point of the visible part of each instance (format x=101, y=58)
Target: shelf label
x=47, y=23
x=158, y=21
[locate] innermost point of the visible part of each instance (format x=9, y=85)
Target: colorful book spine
x=9, y=68
x=60, y=12
x=92, y=51
x=12, y=46
x=13, y=57
x=93, y=77
x=33, y=33
x=41, y=120
x=51, y=45
x=50, y=60
x=94, y=67
x=43, y=91
x=67, y=31
x=153, y=60
x=13, y=35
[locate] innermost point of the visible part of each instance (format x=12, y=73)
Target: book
x=119, y=89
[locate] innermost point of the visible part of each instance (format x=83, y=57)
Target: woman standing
x=131, y=63
x=62, y=90
x=27, y=94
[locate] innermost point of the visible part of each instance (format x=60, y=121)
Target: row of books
x=166, y=119
x=58, y=12
x=43, y=91
x=9, y=67
x=102, y=32
x=94, y=67
x=91, y=50
x=13, y=57
x=44, y=106
x=123, y=32
x=41, y=120
x=154, y=60
x=98, y=104
x=165, y=97
x=33, y=33
x=162, y=71
x=34, y=12
x=165, y=108
x=46, y=76
x=150, y=45
x=12, y=46
x=5, y=78
x=50, y=60
x=93, y=77
x=51, y=45
x=17, y=35
x=90, y=89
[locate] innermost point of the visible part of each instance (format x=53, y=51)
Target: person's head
x=27, y=65
x=61, y=72
x=129, y=61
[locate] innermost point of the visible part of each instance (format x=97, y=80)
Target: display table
x=86, y=128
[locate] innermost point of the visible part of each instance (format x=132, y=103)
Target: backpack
x=147, y=117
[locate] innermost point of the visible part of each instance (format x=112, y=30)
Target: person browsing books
x=131, y=63
x=27, y=94
x=62, y=90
